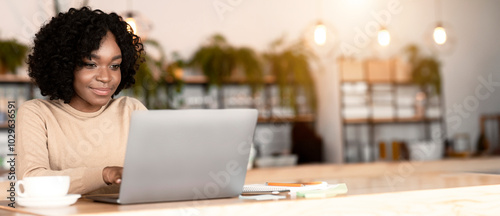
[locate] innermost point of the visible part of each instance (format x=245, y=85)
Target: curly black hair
x=61, y=45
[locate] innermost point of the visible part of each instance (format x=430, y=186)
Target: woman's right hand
x=112, y=175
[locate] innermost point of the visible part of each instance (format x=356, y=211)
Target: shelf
x=360, y=105
x=198, y=79
x=391, y=82
x=389, y=120
x=490, y=116
x=4, y=125
x=356, y=121
x=11, y=78
x=300, y=118
x=201, y=79
x=378, y=82
x=195, y=80
x=354, y=81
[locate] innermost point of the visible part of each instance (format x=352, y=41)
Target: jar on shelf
x=382, y=151
x=420, y=104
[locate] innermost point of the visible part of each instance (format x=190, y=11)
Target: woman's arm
x=33, y=154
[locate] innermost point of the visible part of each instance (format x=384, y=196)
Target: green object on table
x=323, y=193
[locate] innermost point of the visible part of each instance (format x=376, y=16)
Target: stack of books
x=276, y=190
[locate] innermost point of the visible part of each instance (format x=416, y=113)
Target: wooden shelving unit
x=11, y=78
x=380, y=81
x=16, y=82
x=269, y=81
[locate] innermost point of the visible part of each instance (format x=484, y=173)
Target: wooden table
x=449, y=187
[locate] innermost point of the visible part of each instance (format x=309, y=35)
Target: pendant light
x=129, y=18
x=131, y=22
x=319, y=35
x=137, y=23
x=383, y=37
x=440, y=36
x=439, y=33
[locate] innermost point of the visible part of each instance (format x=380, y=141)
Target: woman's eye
x=90, y=65
x=115, y=67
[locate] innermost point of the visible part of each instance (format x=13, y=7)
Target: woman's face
x=98, y=79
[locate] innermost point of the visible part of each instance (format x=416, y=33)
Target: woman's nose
x=103, y=75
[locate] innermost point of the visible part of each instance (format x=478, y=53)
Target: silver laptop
x=175, y=155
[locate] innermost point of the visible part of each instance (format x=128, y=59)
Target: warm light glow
x=320, y=34
x=439, y=35
x=131, y=22
x=384, y=38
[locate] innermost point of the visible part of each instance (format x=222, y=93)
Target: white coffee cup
x=43, y=186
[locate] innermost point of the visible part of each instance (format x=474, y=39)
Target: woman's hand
x=112, y=174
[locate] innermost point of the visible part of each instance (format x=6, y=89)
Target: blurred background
x=335, y=81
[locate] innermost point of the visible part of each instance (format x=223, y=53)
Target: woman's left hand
x=112, y=174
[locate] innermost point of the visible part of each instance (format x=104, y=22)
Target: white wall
x=181, y=25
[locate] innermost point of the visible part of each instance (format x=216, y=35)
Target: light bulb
x=439, y=35
x=320, y=34
x=131, y=22
x=384, y=38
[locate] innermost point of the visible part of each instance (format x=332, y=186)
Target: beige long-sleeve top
x=53, y=138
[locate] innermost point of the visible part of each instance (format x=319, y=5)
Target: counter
x=448, y=187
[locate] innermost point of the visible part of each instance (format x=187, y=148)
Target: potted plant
x=218, y=60
x=290, y=66
x=248, y=61
x=153, y=75
x=174, y=76
x=12, y=55
x=425, y=71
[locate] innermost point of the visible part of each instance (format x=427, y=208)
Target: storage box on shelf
x=380, y=104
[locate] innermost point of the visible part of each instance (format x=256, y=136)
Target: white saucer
x=48, y=202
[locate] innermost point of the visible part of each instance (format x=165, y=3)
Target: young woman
x=80, y=60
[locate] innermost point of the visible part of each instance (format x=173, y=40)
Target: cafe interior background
x=335, y=81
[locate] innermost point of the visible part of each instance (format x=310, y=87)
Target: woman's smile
x=102, y=91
